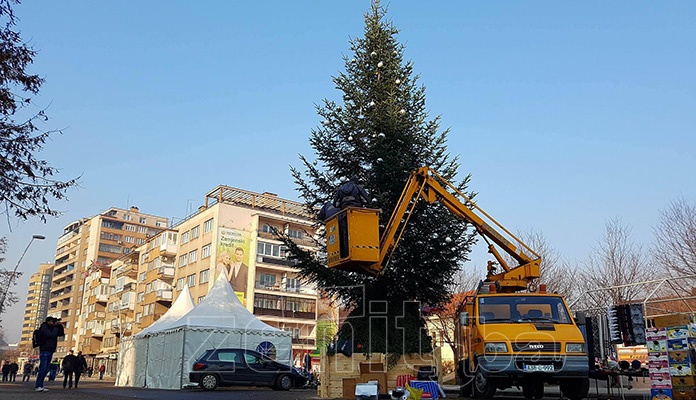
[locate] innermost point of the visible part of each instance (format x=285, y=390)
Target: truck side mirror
x=464, y=318
x=580, y=318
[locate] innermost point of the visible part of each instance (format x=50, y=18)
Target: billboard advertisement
x=233, y=259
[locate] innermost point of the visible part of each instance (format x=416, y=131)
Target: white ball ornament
x=380, y=64
x=402, y=111
x=350, y=138
x=448, y=239
x=398, y=81
x=374, y=53
x=381, y=135
x=372, y=103
x=379, y=160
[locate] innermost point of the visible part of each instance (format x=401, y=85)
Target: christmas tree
x=380, y=132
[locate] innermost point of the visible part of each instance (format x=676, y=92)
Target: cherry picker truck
x=511, y=332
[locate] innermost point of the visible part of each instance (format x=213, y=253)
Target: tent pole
x=183, y=355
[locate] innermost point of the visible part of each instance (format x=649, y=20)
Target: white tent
x=220, y=320
x=132, y=355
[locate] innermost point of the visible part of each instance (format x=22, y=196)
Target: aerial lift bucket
x=352, y=240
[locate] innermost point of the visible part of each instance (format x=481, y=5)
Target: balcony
x=121, y=328
x=164, y=295
x=129, y=270
x=303, y=341
x=165, y=272
x=67, y=237
x=167, y=249
x=284, y=313
x=128, y=287
x=101, y=298
x=95, y=332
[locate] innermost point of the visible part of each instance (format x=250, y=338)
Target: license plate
x=538, y=368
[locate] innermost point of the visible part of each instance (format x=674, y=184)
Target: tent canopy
x=182, y=305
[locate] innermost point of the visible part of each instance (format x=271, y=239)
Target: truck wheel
x=483, y=387
x=576, y=388
x=533, y=389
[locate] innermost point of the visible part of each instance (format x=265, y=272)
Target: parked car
x=241, y=367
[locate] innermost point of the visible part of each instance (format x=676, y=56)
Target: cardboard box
x=677, y=344
x=678, y=332
x=684, y=394
x=381, y=378
x=349, y=388
x=658, y=366
x=661, y=394
x=658, y=356
x=679, y=356
x=656, y=333
x=680, y=369
x=371, y=367
x=659, y=346
x=660, y=380
x=683, y=381
x=667, y=321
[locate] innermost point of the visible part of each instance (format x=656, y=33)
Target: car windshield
x=518, y=309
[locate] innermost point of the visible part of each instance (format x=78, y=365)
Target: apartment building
x=80, y=280
x=36, y=306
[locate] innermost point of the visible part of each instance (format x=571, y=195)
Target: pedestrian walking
x=69, y=366
x=26, y=372
x=5, y=371
x=80, y=368
x=90, y=371
x=53, y=370
x=14, y=368
x=48, y=335
x=102, y=369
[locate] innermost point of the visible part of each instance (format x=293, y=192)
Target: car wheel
x=284, y=382
x=208, y=382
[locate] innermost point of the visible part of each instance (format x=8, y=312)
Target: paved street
x=105, y=390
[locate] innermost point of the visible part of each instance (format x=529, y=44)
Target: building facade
x=35, y=310
x=80, y=282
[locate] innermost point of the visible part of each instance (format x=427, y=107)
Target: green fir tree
x=380, y=133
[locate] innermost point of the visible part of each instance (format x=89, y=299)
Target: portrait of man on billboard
x=232, y=259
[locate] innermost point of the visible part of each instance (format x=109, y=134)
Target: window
x=185, y=237
x=295, y=233
x=141, y=297
x=108, y=236
x=208, y=226
x=183, y=260
x=143, y=220
x=200, y=298
x=161, y=224
x=180, y=283
x=142, y=229
x=195, y=232
x=191, y=280
x=127, y=217
x=270, y=249
x=193, y=256
x=205, y=275
x=112, y=224
x=130, y=228
x=268, y=228
x=266, y=281
x=148, y=288
x=139, y=241
x=130, y=239
x=205, y=251
x=109, y=248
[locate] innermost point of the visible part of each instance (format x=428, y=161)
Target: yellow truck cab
x=520, y=339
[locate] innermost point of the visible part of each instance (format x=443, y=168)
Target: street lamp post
x=14, y=272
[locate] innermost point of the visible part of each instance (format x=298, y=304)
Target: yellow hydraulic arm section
x=426, y=184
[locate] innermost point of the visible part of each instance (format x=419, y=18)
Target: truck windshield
x=518, y=309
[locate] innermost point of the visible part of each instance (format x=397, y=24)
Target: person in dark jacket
x=14, y=368
x=49, y=332
x=5, y=371
x=69, y=367
x=27, y=372
x=80, y=368
x=349, y=194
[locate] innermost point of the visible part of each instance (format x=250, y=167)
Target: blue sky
x=567, y=114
